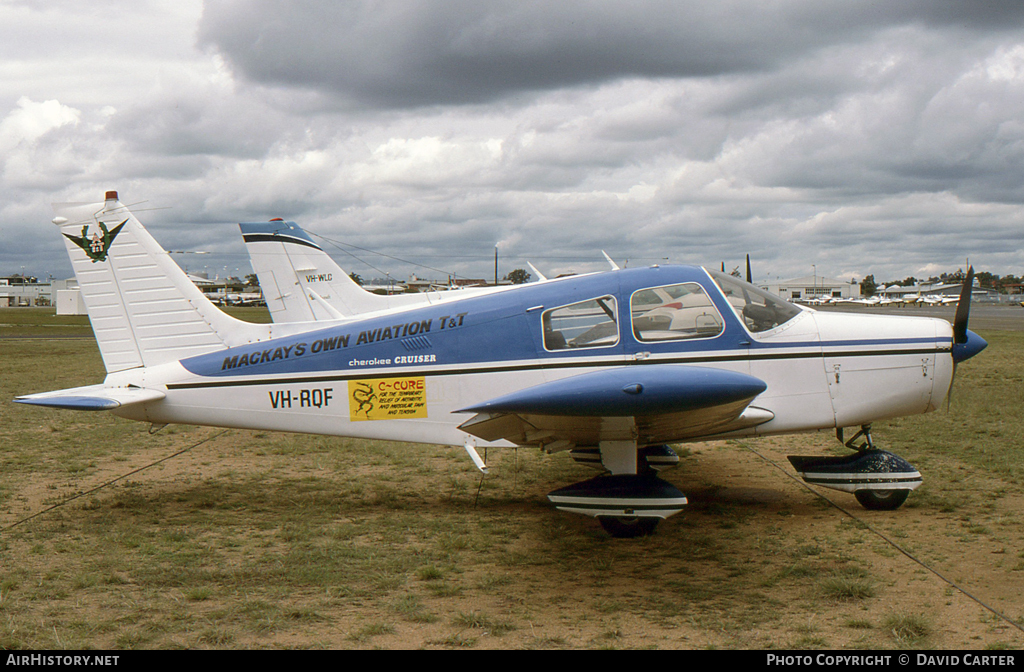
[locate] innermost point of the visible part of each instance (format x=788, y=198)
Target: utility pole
x=495, y=265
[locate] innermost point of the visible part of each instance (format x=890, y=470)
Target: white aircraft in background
x=929, y=299
x=875, y=300
x=302, y=283
x=935, y=300
x=610, y=367
x=244, y=299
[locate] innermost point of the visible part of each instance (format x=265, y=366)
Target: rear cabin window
x=587, y=324
x=674, y=312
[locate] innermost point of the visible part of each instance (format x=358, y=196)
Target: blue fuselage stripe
x=568, y=363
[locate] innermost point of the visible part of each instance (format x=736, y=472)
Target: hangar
x=812, y=287
x=936, y=289
x=21, y=290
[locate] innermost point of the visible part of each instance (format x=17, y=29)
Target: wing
x=92, y=397
x=660, y=403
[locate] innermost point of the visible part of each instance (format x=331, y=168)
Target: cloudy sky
x=863, y=137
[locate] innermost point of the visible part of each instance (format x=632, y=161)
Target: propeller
x=750, y=276
x=963, y=308
x=966, y=343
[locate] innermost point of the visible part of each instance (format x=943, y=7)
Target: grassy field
x=257, y=539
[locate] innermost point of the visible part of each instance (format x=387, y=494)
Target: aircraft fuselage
x=405, y=374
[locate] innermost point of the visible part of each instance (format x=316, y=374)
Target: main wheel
x=881, y=500
x=628, y=527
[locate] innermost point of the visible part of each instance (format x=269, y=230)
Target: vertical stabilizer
x=143, y=308
x=300, y=281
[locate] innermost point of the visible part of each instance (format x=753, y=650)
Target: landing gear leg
x=865, y=431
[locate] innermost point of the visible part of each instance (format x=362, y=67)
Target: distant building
x=467, y=282
x=201, y=280
x=17, y=290
x=68, y=297
x=812, y=287
x=934, y=289
x=415, y=284
x=229, y=291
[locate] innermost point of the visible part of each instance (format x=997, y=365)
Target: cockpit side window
x=759, y=309
x=587, y=324
x=674, y=312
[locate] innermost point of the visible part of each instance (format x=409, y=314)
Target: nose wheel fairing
x=867, y=470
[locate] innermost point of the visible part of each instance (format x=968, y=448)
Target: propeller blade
x=750, y=276
x=963, y=308
x=966, y=344
x=949, y=392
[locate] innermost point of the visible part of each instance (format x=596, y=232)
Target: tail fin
x=300, y=282
x=143, y=308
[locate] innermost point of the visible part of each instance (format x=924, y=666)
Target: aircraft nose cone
x=969, y=348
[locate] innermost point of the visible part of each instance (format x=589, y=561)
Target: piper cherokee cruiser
x=611, y=367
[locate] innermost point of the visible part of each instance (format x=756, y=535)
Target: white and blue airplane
x=610, y=367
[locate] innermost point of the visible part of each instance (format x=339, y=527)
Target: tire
x=881, y=500
x=628, y=527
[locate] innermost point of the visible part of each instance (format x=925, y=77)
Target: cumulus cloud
x=30, y=121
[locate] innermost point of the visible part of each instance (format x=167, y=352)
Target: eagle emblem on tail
x=97, y=245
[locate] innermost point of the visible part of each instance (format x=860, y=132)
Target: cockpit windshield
x=760, y=310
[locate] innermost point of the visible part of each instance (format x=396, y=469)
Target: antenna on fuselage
x=615, y=267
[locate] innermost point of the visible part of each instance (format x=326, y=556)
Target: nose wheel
x=878, y=479
x=881, y=500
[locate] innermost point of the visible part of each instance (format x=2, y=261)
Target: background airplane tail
x=300, y=281
x=143, y=308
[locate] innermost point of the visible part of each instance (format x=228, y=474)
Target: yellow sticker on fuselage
x=387, y=398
